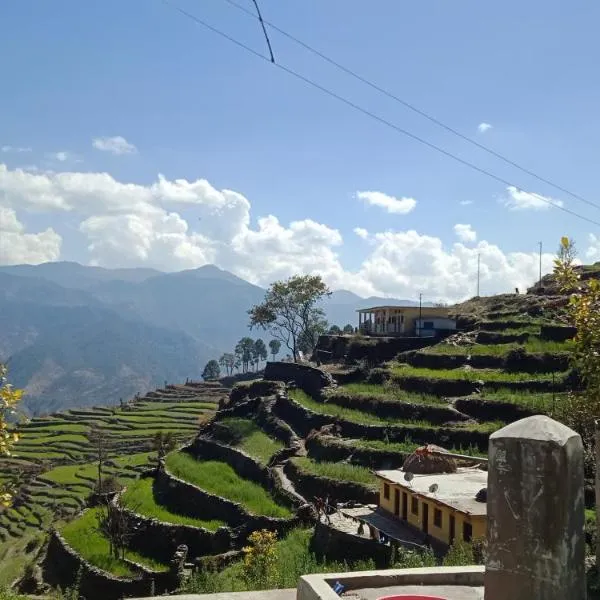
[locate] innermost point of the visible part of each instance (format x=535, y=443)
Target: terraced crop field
x=54, y=465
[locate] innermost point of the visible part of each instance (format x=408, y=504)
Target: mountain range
x=76, y=335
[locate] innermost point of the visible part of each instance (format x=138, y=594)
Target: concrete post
x=535, y=505
x=597, y=450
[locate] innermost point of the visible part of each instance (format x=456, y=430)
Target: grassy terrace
x=83, y=536
x=252, y=439
x=408, y=446
x=366, y=418
x=337, y=470
x=401, y=371
x=219, y=478
x=533, y=345
x=139, y=497
x=387, y=391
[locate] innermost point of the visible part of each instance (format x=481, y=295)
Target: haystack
x=428, y=460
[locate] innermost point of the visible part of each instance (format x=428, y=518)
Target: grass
x=402, y=371
x=540, y=401
x=140, y=498
x=350, y=414
x=337, y=470
x=388, y=392
x=219, y=478
x=83, y=536
x=533, y=345
x=252, y=439
x=293, y=559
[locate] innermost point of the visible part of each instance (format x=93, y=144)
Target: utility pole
x=540, y=243
x=478, y=271
x=420, y=313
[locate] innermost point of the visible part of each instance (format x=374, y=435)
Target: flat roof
x=456, y=490
x=423, y=308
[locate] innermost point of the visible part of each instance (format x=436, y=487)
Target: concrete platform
x=450, y=583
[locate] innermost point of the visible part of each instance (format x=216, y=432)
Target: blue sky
x=197, y=107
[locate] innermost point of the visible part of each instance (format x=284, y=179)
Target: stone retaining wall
x=160, y=540
x=310, y=486
x=189, y=499
x=244, y=465
x=254, y=389
x=557, y=333
x=307, y=378
x=63, y=564
x=333, y=544
x=329, y=448
x=304, y=420
x=453, y=361
x=398, y=410
x=486, y=410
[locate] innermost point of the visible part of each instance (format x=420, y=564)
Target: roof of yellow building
x=412, y=306
x=456, y=490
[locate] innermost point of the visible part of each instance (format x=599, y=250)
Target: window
x=467, y=531
x=386, y=491
x=427, y=324
x=414, y=506
x=401, y=318
x=437, y=517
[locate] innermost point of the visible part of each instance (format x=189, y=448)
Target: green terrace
x=532, y=345
x=331, y=409
x=83, y=536
x=461, y=374
x=536, y=401
x=250, y=438
x=219, y=478
x=339, y=471
x=140, y=498
x=407, y=447
x=387, y=391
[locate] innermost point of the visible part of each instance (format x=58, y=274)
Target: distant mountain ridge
x=77, y=335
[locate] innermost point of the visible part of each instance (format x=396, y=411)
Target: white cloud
x=483, y=127
x=519, y=200
x=401, y=206
x=16, y=149
x=361, y=232
x=465, y=232
x=127, y=224
x=17, y=247
x=593, y=252
x=465, y=202
x=115, y=145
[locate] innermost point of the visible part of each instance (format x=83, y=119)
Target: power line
x=412, y=107
x=372, y=115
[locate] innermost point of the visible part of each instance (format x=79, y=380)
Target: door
x=425, y=517
x=405, y=506
x=396, y=501
x=452, y=528
x=467, y=531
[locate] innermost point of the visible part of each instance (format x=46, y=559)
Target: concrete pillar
x=597, y=450
x=535, y=507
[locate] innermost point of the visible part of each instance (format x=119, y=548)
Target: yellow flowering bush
x=9, y=398
x=260, y=559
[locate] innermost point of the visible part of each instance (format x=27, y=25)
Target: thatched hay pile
x=429, y=460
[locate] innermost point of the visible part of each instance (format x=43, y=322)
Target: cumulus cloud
x=400, y=206
x=361, y=232
x=519, y=200
x=593, y=252
x=127, y=224
x=483, y=127
x=18, y=247
x=115, y=145
x=465, y=232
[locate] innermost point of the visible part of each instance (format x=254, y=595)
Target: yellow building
x=446, y=512
x=404, y=320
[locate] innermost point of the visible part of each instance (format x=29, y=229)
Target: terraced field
x=265, y=454
x=54, y=465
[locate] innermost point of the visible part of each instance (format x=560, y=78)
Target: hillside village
x=374, y=455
